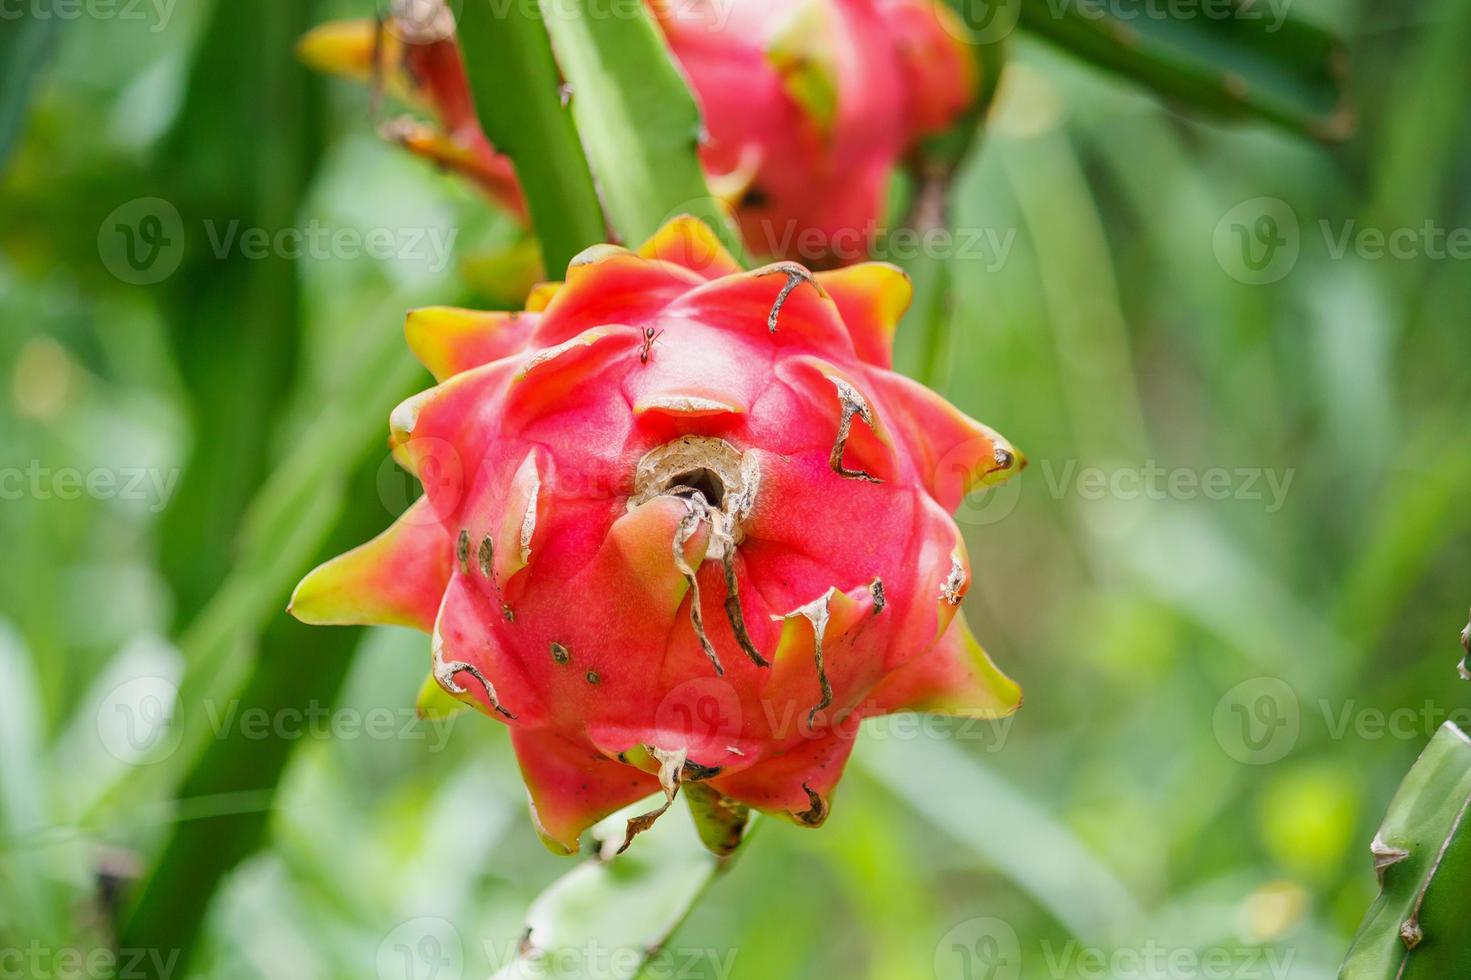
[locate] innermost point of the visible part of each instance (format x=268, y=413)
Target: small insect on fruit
x=650, y=335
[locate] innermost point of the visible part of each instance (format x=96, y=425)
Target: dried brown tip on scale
x=1385, y=857
x=852, y=403
x=733, y=611
x=445, y=674
x=671, y=773
x=528, y=520
x=687, y=525
x=689, y=468
x=796, y=275
x=816, y=612
x=876, y=589
x=1464, y=668
x=695, y=772
x=950, y=588
x=817, y=812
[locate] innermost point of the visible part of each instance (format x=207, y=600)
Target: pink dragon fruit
x=809, y=105
x=681, y=525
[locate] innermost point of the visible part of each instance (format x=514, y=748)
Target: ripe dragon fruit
x=681, y=526
x=809, y=105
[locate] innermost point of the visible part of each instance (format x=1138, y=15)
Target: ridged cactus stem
x=1417, y=928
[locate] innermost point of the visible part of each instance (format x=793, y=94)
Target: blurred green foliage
x=1222, y=694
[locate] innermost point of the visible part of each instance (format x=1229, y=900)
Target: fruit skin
x=811, y=104
x=808, y=106
x=601, y=469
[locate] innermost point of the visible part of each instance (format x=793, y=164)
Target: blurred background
x=1230, y=582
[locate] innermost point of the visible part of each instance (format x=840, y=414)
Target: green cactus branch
x=1422, y=854
x=25, y=49
x=636, y=117
x=632, y=903
x=1255, y=62
x=517, y=96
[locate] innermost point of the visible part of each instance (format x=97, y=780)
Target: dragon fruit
x=808, y=105
x=681, y=526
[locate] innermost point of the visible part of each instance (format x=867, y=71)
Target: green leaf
x=518, y=99
x=636, y=116
x=502, y=277
x=1416, y=930
x=720, y=821
x=620, y=910
x=1011, y=832
x=1287, y=71
x=25, y=47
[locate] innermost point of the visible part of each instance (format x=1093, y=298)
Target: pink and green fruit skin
x=808, y=106
x=677, y=509
x=811, y=104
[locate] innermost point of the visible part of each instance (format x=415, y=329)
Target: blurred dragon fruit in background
x=808, y=105
x=682, y=527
